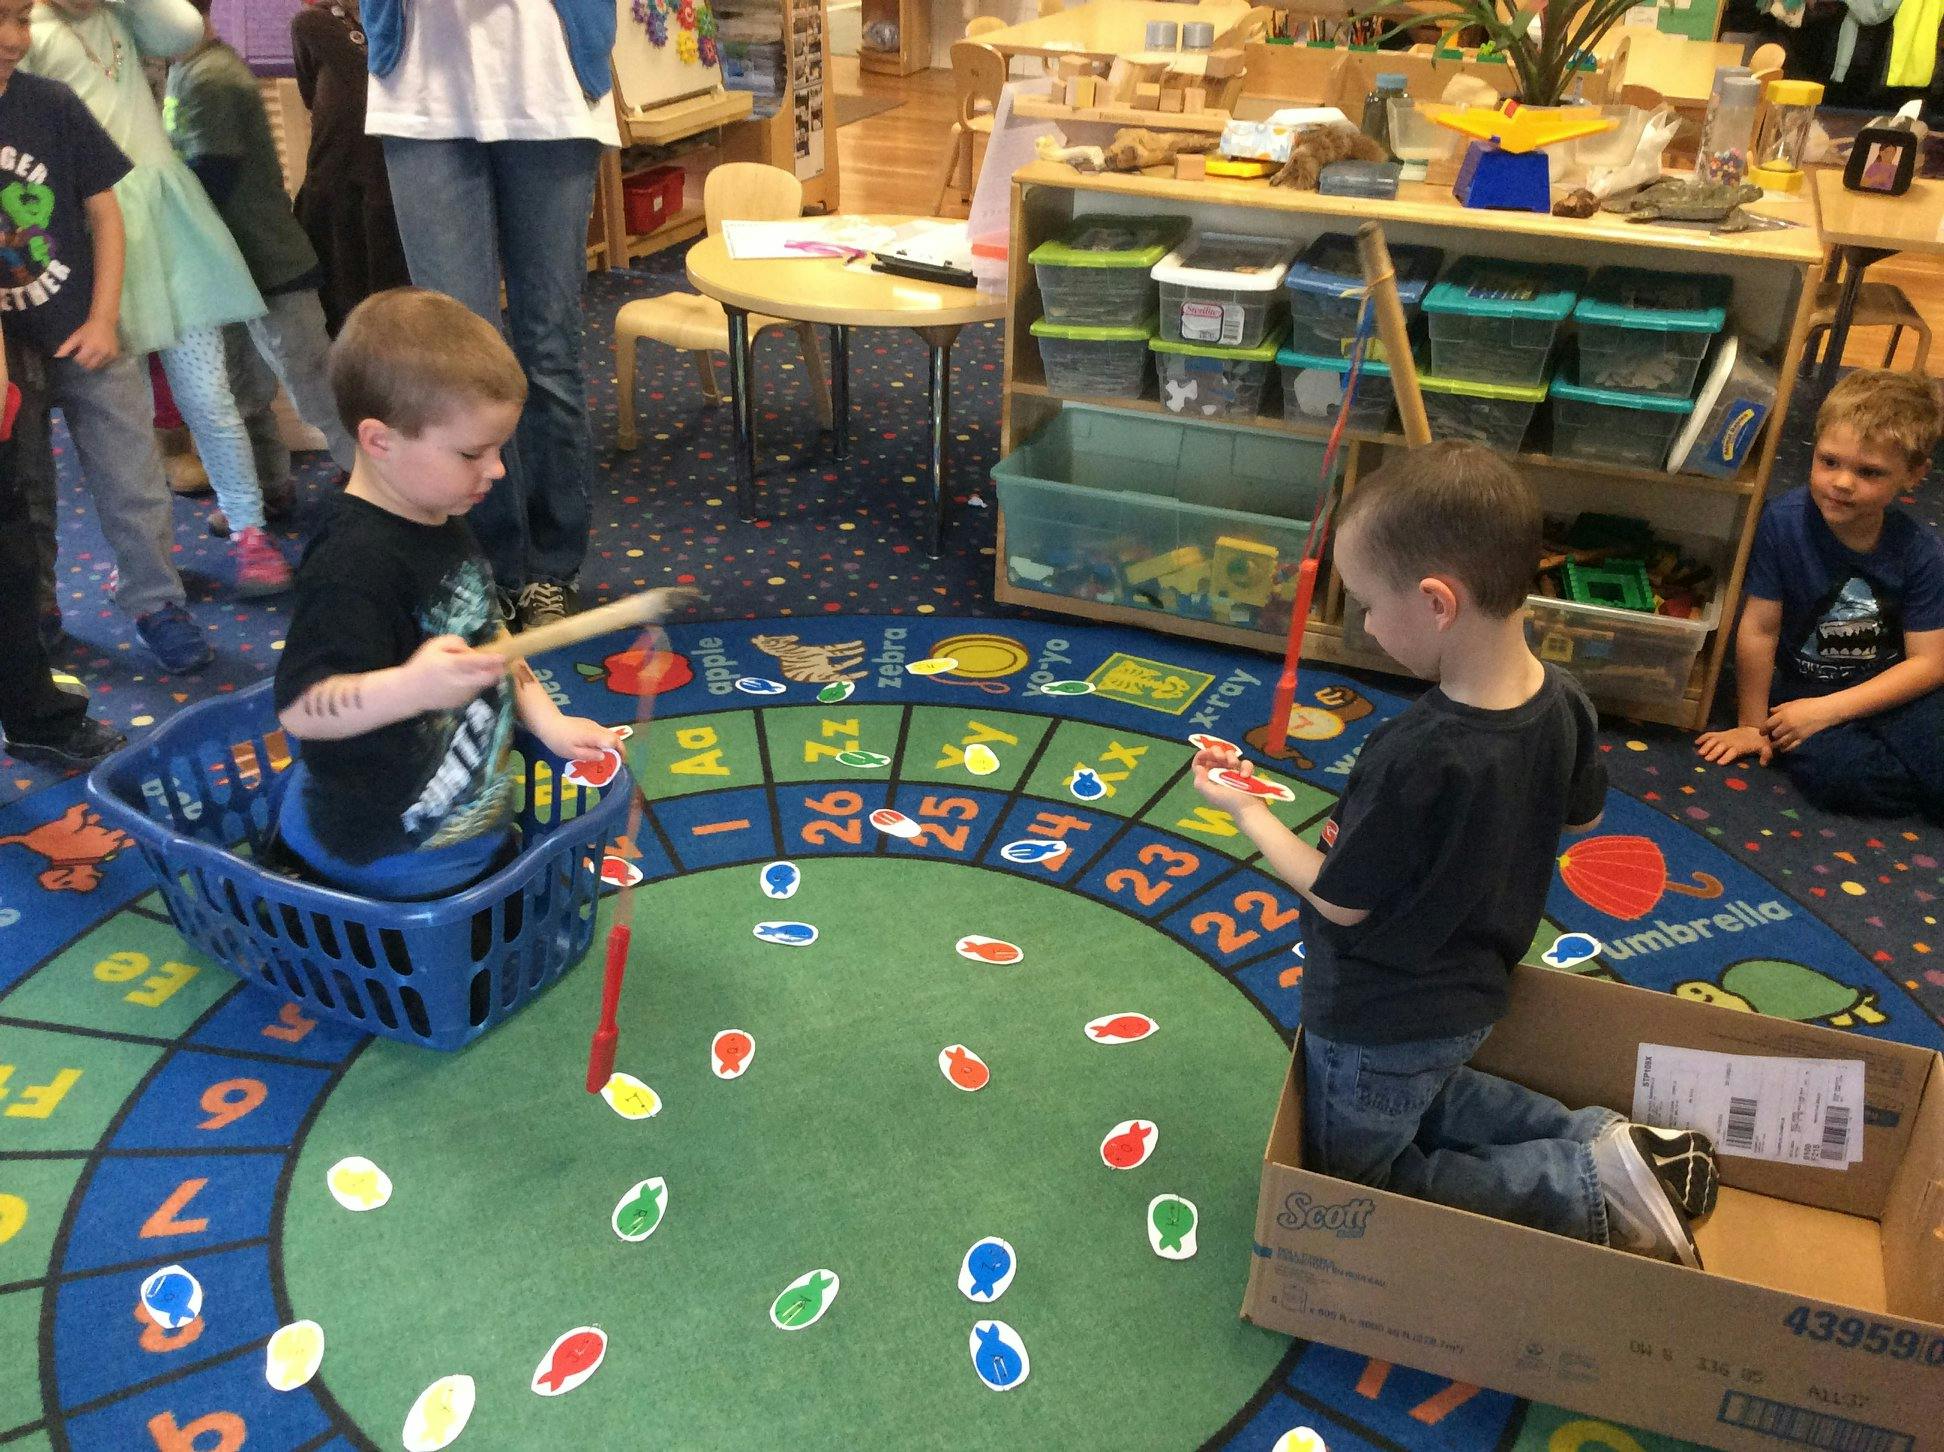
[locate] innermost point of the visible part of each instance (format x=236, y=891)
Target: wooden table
x=1864, y=228
x=1105, y=28
x=843, y=295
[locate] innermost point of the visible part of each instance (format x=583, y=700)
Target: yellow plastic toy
x=1520, y=129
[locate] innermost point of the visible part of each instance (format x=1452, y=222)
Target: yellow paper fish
x=293, y=1355
x=980, y=759
x=357, y=1184
x=439, y=1415
x=936, y=666
x=628, y=1097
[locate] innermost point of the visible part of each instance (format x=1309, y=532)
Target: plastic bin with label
x=1647, y=332
x=1158, y=513
x=1496, y=415
x=1313, y=385
x=1099, y=362
x=1100, y=269
x=1199, y=378
x=1608, y=426
x=1736, y=400
x=1495, y=321
x=1223, y=289
x=1325, y=288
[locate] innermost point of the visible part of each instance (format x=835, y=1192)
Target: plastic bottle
x=1376, y=109
x=1728, y=135
x=1785, y=135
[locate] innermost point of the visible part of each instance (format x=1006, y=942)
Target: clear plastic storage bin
x=1197, y=378
x=1099, y=269
x=1325, y=288
x=1223, y=289
x=1608, y=426
x=1736, y=399
x=1494, y=322
x=1196, y=519
x=1496, y=415
x=1099, y=362
x=1313, y=385
x=1647, y=332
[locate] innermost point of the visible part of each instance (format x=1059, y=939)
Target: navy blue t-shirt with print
x=53, y=157
x=1844, y=614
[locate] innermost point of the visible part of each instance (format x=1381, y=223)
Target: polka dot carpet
x=838, y=538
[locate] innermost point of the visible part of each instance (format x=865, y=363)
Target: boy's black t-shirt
x=54, y=155
x=372, y=588
x=1446, y=834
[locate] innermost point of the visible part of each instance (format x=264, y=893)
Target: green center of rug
x=843, y=1147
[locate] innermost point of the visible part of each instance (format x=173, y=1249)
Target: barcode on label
x=1835, y=1136
x=1741, y=1124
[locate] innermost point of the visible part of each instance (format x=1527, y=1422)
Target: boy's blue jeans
x=1415, y=1119
x=1886, y=765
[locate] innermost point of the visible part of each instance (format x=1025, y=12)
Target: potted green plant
x=1544, y=63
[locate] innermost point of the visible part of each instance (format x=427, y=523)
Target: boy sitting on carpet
x=403, y=790
x=1841, y=646
x=1433, y=877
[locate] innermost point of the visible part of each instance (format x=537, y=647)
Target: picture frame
x=1883, y=161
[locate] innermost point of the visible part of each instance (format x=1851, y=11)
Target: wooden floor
x=890, y=161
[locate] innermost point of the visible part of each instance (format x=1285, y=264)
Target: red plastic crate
x=652, y=198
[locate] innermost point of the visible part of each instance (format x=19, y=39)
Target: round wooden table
x=843, y=294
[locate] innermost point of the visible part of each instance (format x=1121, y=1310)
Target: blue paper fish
x=1570, y=948
x=998, y=1358
x=987, y=1263
x=172, y=1297
x=1087, y=785
x=780, y=880
x=795, y=935
x=1032, y=849
x=758, y=686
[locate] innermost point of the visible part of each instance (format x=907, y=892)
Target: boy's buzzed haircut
x=1454, y=509
x=411, y=358
x=1882, y=407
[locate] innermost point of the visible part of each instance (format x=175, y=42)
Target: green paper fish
x=863, y=758
x=800, y=1305
x=1174, y=1222
x=641, y=1214
x=1067, y=688
x=836, y=691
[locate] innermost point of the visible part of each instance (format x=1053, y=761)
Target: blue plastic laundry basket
x=204, y=789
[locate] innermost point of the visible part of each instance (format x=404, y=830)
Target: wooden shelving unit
x=913, y=19
x=1775, y=274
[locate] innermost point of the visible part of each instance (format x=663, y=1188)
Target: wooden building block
x=1171, y=100
x=1074, y=65
x=1147, y=96
x=1223, y=63
x=1191, y=167
x=1083, y=92
x=1194, y=99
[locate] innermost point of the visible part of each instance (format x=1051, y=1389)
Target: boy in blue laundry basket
x=402, y=789
x=1433, y=875
x=1840, y=651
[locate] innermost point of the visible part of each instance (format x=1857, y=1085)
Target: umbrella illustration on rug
x=1624, y=877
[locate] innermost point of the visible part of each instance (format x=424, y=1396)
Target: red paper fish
x=731, y=1047
x=596, y=773
x=619, y=872
x=1123, y=1028
x=1127, y=1149
x=1254, y=785
x=964, y=1068
x=989, y=950
x=571, y=1357
x=1204, y=742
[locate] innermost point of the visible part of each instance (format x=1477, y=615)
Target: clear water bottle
x=1376, y=109
x=1728, y=135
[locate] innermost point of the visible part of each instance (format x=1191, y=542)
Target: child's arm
x=1920, y=671
x=164, y=28
x=94, y=343
x=1755, y=641
x=1292, y=859
x=442, y=674
x=574, y=737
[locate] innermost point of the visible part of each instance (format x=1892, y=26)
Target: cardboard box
x=1815, y=1324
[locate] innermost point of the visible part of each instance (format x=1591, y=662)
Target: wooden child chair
x=738, y=191
x=983, y=25
x=978, y=75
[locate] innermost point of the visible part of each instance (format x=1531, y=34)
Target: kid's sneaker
x=260, y=567
x=1657, y=1182
x=82, y=744
x=174, y=639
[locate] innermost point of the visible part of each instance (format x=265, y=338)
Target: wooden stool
x=1878, y=305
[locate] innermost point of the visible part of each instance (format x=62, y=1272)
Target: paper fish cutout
x=988, y=950
x=998, y=1355
x=987, y=1270
x=357, y=1184
x=1255, y=786
x=1128, y=1144
x=980, y=759
x=730, y=1052
x=1570, y=949
x=1313, y=723
x=781, y=880
x=628, y=1097
x=804, y=1300
x=172, y=1297
x=759, y=686
x=624, y=732
x=894, y=822
x=962, y=1068
x=1121, y=1028
x=1086, y=785
x=638, y=1214
x=791, y=935
x=1067, y=688
x=836, y=691
x=936, y=666
x=439, y=1415
x=1171, y=1223
x=595, y=773
x=570, y=1361
x=1202, y=741
x=293, y=1355
x=1029, y=850
x=619, y=872
x=863, y=760
x=1299, y=1439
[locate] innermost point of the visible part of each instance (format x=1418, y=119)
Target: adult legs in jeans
x=1366, y=1114
x=465, y=209
x=199, y=378
x=290, y=343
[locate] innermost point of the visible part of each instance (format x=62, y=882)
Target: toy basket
x=201, y=792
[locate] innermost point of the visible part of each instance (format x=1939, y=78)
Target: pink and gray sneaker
x=260, y=567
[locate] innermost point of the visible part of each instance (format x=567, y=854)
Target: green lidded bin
x=1094, y=360
x=1213, y=382
x=1097, y=270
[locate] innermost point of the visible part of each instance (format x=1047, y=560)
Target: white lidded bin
x=1223, y=289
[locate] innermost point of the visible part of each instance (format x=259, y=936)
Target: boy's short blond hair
x=1454, y=509
x=1886, y=409
x=411, y=358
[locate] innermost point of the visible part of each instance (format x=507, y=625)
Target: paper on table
x=1794, y=1111
x=805, y=237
